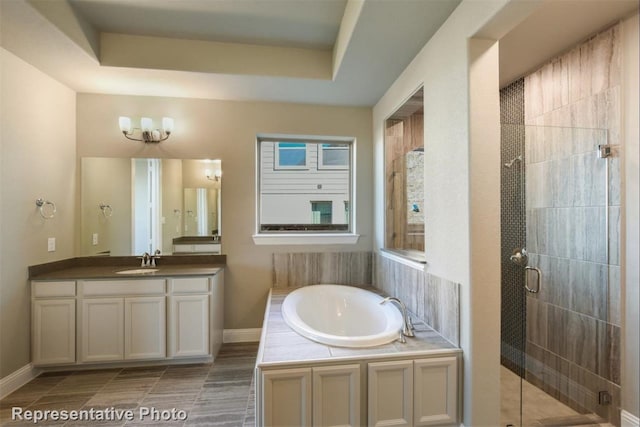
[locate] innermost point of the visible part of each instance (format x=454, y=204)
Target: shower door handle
x=538, y=280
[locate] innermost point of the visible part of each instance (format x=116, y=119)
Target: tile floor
x=217, y=394
x=539, y=409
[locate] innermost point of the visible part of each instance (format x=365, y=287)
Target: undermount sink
x=138, y=271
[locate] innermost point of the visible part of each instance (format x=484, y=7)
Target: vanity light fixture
x=216, y=176
x=149, y=135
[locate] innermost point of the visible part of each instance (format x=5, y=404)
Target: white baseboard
x=241, y=335
x=17, y=379
x=629, y=420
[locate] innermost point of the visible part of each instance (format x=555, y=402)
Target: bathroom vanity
x=94, y=315
x=301, y=382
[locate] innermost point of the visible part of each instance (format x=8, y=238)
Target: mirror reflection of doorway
x=146, y=202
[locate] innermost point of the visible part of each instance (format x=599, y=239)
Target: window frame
x=279, y=237
x=276, y=156
x=322, y=166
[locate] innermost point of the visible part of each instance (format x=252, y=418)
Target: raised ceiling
x=338, y=52
x=289, y=23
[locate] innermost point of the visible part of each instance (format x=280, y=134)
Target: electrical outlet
x=51, y=244
x=95, y=239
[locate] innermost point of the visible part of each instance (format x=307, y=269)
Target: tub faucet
x=407, y=325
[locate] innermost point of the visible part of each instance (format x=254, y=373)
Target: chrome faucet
x=155, y=257
x=407, y=325
x=145, y=259
x=150, y=260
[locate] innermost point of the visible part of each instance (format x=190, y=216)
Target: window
x=404, y=177
x=296, y=193
x=321, y=212
x=333, y=156
x=291, y=155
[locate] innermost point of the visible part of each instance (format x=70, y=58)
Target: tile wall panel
x=572, y=105
x=311, y=268
x=434, y=300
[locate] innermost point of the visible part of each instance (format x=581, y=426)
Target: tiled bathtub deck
x=214, y=394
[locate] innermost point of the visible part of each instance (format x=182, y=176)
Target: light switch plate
x=51, y=244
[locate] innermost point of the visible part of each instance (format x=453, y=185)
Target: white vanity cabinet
x=122, y=320
x=195, y=316
x=390, y=393
x=287, y=397
x=319, y=396
x=404, y=392
x=53, y=322
x=127, y=320
x=421, y=392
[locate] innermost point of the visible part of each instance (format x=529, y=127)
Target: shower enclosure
x=560, y=208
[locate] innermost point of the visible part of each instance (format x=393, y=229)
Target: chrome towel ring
x=41, y=204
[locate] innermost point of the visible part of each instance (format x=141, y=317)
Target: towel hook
x=41, y=203
x=107, y=210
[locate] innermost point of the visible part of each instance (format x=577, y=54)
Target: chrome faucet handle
x=145, y=259
x=155, y=257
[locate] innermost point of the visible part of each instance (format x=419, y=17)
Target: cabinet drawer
x=53, y=289
x=123, y=287
x=191, y=285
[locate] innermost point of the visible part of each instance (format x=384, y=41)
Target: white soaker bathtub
x=343, y=316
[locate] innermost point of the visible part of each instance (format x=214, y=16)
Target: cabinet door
x=144, y=328
x=435, y=391
x=102, y=329
x=391, y=393
x=189, y=320
x=287, y=397
x=54, y=331
x=336, y=396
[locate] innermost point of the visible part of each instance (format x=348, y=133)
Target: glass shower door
x=566, y=276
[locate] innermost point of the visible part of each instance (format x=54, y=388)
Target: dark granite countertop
x=107, y=267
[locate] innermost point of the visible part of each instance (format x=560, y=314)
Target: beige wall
x=38, y=160
x=453, y=218
x=227, y=130
x=631, y=248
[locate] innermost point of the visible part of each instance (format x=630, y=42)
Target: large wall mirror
x=132, y=206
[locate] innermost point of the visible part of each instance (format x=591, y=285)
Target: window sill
x=403, y=259
x=305, y=239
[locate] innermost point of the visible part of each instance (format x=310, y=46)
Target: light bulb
x=167, y=125
x=125, y=124
x=146, y=124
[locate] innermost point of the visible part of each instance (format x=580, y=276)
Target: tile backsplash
x=311, y=268
x=435, y=300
